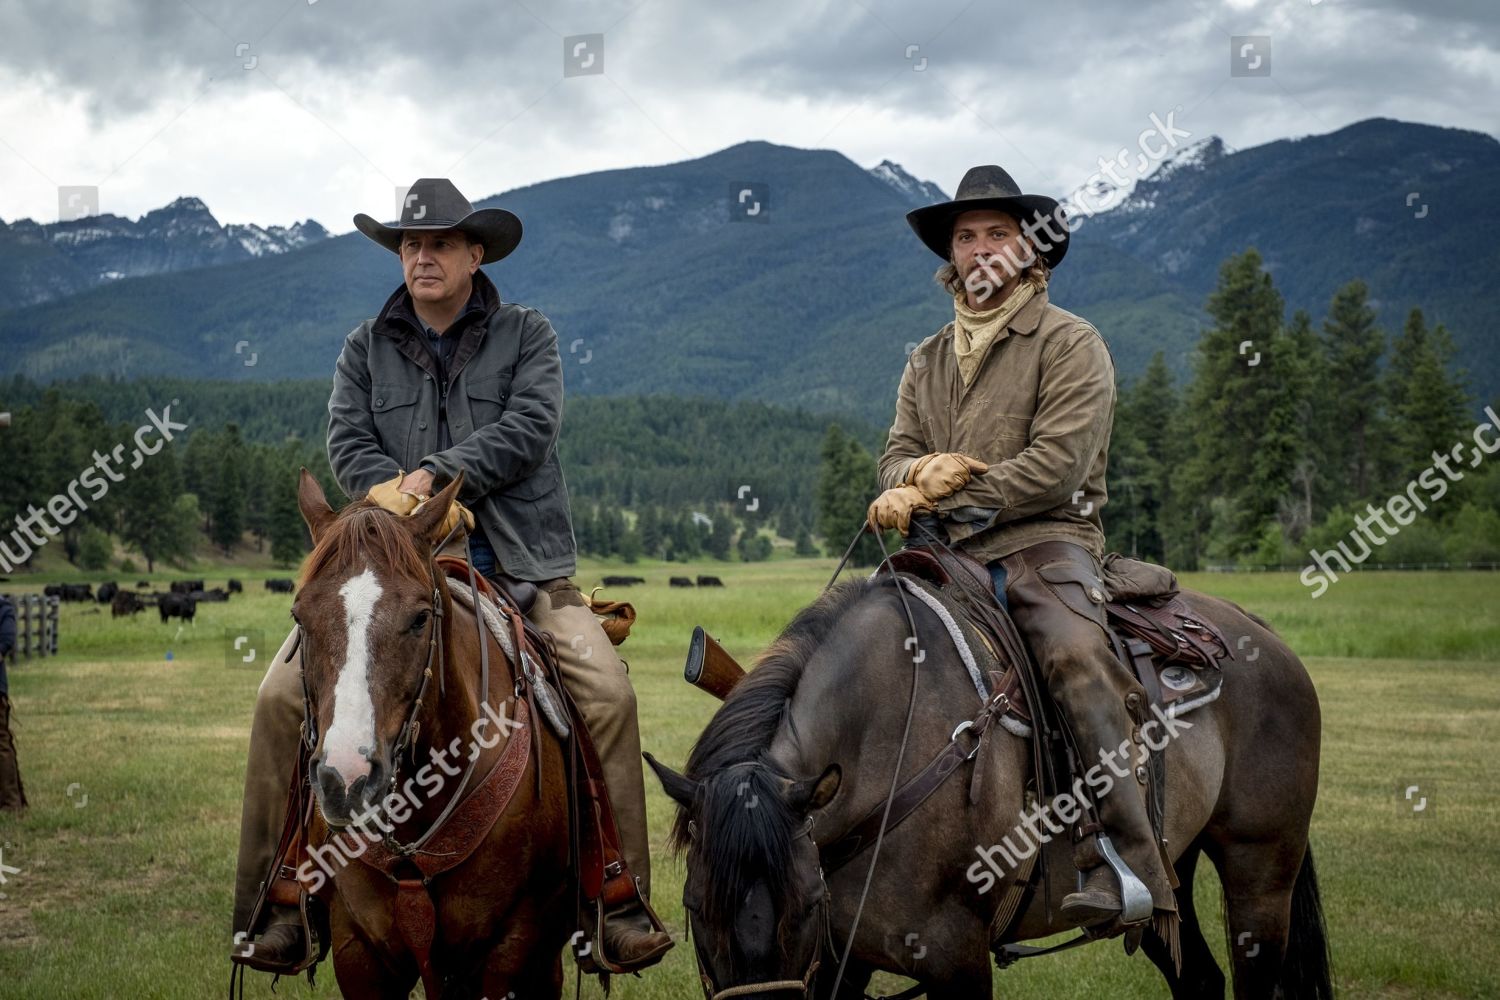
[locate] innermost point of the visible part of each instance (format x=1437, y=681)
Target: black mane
x=741, y=797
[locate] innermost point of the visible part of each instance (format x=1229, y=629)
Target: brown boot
x=280, y=948
x=1097, y=903
x=631, y=941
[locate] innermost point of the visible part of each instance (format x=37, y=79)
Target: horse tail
x=1307, y=971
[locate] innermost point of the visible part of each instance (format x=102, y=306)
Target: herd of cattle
x=676, y=581
x=181, y=601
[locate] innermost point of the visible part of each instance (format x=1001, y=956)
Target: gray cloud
x=1045, y=88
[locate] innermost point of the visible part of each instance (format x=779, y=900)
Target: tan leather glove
x=894, y=507
x=392, y=499
x=389, y=496
x=942, y=474
x=455, y=512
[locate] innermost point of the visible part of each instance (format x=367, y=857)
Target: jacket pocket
x=393, y=408
x=537, y=485
x=487, y=397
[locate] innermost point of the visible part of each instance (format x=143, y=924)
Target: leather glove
x=942, y=474
x=894, y=507
x=401, y=504
x=392, y=499
x=455, y=512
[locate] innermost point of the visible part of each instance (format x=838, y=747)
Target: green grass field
x=132, y=747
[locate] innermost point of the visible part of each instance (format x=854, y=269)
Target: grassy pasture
x=132, y=747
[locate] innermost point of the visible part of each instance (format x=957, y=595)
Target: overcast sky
x=273, y=111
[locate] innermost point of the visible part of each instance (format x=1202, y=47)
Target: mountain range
x=776, y=273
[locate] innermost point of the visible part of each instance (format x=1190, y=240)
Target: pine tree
x=847, y=479
x=1230, y=408
x=227, y=504
x=1352, y=432
x=1428, y=402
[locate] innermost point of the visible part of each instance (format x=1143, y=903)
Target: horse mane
x=364, y=529
x=741, y=791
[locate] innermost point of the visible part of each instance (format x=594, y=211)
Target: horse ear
x=314, y=505
x=814, y=793
x=679, y=788
x=428, y=522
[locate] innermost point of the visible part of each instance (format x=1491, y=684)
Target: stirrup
x=1135, y=898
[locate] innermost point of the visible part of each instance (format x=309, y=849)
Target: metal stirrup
x=1135, y=898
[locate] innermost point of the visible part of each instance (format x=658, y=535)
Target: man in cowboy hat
x=449, y=379
x=1002, y=425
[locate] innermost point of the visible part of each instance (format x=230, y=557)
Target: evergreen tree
x=160, y=521
x=1351, y=429
x=1229, y=410
x=649, y=526
x=227, y=504
x=1429, y=401
x=847, y=479
x=721, y=536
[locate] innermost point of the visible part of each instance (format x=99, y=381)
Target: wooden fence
x=36, y=625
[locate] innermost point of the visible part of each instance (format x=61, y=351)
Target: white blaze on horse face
x=352, y=733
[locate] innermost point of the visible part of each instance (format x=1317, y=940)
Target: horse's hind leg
x=1258, y=879
x=1201, y=975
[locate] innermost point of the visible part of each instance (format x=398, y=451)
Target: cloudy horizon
x=276, y=111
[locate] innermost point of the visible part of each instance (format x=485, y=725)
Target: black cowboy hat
x=989, y=187
x=435, y=203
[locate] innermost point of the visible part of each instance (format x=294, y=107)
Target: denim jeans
x=483, y=554
x=997, y=573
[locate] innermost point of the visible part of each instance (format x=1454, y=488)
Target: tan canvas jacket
x=1039, y=412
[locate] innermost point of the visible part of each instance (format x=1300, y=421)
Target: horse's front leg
x=363, y=970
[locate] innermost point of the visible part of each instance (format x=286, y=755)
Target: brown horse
x=806, y=745
x=396, y=749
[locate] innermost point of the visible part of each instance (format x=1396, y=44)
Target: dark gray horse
x=806, y=745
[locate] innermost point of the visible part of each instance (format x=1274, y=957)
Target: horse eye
x=418, y=623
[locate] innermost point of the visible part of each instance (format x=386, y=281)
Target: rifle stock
x=709, y=668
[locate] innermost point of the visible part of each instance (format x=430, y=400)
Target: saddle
x=1156, y=633
x=604, y=880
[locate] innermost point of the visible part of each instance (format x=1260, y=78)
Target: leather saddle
x=1158, y=636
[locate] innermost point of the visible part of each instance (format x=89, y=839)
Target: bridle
x=799, y=986
x=436, y=656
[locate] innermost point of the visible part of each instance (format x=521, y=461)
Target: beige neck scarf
x=974, y=332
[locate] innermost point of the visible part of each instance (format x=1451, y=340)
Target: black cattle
x=107, y=592
x=235, y=587
x=216, y=596
x=177, y=606
x=143, y=585
x=71, y=592
x=186, y=586
x=623, y=581
x=125, y=603
x=680, y=581
x=280, y=586
x=710, y=581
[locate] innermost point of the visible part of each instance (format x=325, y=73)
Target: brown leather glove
x=942, y=474
x=894, y=507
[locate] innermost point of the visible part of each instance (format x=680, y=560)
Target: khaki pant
x=12, y=792
x=591, y=670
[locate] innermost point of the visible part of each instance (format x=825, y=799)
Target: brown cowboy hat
x=989, y=187
x=435, y=203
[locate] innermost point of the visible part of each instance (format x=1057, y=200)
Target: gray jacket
x=503, y=406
